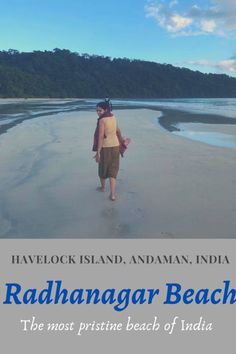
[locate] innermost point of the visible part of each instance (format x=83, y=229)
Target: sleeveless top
x=110, y=139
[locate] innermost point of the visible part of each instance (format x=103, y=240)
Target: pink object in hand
x=123, y=145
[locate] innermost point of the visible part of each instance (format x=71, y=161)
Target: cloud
x=208, y=26
x=227, y=65
x=166, y=17
x=217, y=17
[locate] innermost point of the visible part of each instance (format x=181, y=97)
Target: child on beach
x=107, y=138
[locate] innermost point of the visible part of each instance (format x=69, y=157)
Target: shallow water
x=210, y=138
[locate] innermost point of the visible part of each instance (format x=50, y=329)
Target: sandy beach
x=168, y=186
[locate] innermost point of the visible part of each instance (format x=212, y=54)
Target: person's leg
x=101, y=172
x=103, y=184
x=113, y=188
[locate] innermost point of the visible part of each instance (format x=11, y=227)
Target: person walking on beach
x=107, y=138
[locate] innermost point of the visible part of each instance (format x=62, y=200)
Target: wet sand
x=168, y=186
x=170, y=118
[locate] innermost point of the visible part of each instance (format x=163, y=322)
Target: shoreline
x=170, y=117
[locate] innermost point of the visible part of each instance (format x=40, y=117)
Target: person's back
x=107, y=144
x=110, y=136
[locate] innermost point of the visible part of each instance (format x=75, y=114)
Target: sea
x=15, y=111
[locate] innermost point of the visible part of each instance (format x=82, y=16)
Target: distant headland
x=61, y=73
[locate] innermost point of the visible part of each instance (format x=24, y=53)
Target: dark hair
x=106, y=105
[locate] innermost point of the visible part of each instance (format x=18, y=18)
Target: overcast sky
x=197, y=34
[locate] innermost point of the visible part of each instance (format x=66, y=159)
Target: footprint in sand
x=109, y=213
x=167, y=234
x=139, y=212
x=130, y=195
x=122, y=229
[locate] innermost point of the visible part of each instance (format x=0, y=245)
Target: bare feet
x=113, y=198
x=101, y=189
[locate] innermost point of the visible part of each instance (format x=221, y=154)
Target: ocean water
x=221, y=106
x=15, y=111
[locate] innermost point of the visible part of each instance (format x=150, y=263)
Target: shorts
x=109, y=162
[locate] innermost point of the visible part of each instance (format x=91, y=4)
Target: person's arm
x=100, y=139
x=118, y=133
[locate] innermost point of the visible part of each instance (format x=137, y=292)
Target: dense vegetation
x=61, y=73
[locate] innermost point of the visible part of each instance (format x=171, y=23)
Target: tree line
x=62, y=73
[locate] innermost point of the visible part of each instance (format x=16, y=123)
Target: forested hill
x=61, y=73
